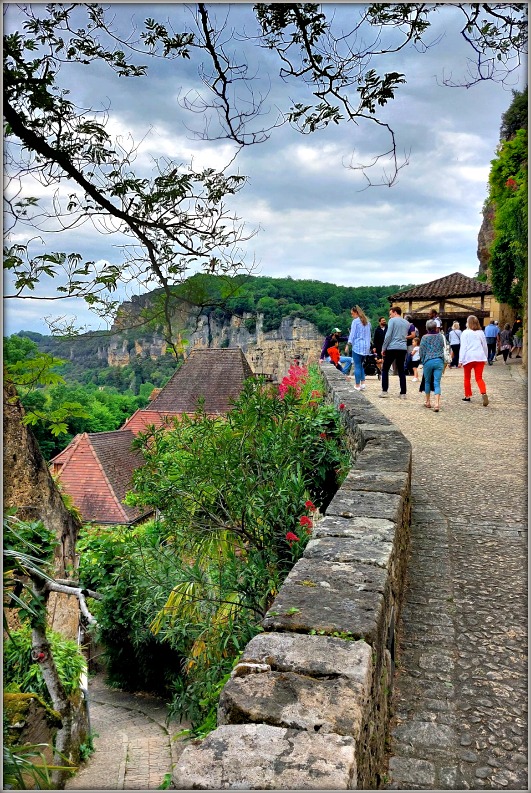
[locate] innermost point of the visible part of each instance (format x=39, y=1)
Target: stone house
x=96, y=469
x=455, y=297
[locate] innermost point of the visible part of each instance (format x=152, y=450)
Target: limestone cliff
x=268, y=352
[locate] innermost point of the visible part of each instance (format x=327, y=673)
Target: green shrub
x=182, y=596
x=23, y=674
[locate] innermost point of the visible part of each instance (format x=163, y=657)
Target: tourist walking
x=415, y=360
x=454, y=339
x=473, y=356
x=517, y=345
x=506, y=342
x=432, y=356
x=434, y=315
x=517, y=325
x=360, y=343
x=491, y=335
x=394, y=349
x=345, y=360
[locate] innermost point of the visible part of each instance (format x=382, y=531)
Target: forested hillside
x=323, y=304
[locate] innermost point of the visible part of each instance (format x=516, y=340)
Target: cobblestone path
x=134, y=749
x=460, y=716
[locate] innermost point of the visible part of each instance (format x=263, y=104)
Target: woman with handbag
x=432, y=354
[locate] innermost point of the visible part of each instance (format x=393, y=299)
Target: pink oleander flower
x=295, y=379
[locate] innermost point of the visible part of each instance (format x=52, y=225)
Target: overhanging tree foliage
x=508, y=197
x=508, y=194
x=176, y=218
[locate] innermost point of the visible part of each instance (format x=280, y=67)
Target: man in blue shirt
x=491, y=334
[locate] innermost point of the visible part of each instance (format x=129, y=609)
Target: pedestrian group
x=397, y=345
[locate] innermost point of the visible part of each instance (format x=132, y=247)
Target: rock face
x=29, y=487
x=485, y=239
x=268, y=352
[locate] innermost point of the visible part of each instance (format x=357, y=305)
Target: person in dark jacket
x=506, y=341
x=379, y=336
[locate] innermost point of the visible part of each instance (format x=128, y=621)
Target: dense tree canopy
x=508, y=197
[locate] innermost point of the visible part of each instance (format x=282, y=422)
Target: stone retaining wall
x=307, y=705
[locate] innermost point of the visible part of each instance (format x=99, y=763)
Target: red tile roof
x=454, y=285
x=97, y=473
x=97, y=468
x=143, y=418
x=217, y=376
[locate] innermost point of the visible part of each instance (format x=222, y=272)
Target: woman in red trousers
x=473, y=357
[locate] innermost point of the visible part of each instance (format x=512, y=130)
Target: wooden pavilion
x=454, y=297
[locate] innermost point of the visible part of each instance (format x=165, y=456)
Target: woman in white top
x=473, y=356
x=454, y=339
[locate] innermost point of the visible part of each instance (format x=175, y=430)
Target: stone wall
x=306, y=707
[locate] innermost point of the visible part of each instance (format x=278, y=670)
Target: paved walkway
x=134, y=749
x=461, y=688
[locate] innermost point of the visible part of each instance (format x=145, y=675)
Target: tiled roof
x=215, y=375
x=97, y=468
x=454, y=285
x=97, y=474
x=143, y=418
x=118, y=461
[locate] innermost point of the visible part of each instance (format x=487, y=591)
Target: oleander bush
x=237, y=497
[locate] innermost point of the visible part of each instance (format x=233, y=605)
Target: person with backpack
x=454, y=340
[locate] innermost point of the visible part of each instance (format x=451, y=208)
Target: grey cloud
x=317, y=224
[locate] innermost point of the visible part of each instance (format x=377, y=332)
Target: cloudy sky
x=315, y=218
